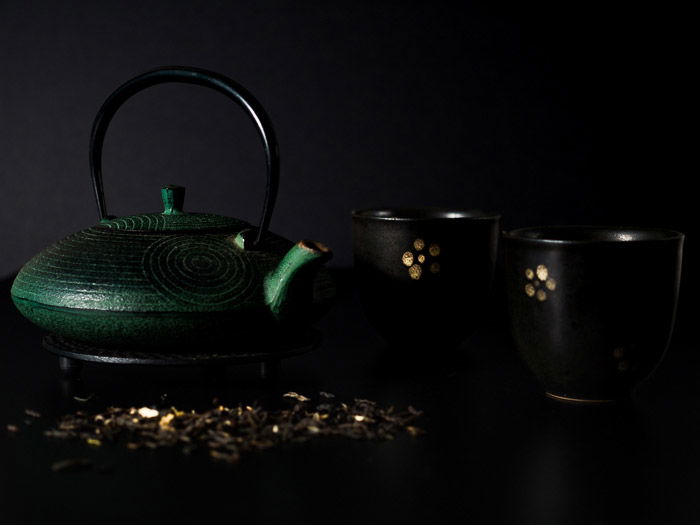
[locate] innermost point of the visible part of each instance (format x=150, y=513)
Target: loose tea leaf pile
x=227, y=433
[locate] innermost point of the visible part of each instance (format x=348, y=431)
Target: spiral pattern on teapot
x=161, y=222
x=199, y=270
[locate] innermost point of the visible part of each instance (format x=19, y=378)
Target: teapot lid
x=173, y=218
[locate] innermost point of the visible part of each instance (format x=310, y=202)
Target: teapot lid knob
x=173, y=199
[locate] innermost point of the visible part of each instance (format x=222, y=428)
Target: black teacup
x=424, y=274
x=592, y=308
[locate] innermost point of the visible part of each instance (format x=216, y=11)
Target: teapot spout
x=286, y=285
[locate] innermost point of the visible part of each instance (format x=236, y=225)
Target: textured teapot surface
x=153, y=277
x=150, y=263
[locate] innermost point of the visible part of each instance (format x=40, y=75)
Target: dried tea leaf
x=58, y=434
x=414, y=431
x=148, y=412
x=227, y=433
x=165, y=421
x=71, y=464
x=83, y=399
x=296, y=396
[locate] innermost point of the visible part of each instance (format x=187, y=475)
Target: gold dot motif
x=541, y=283
x=415, y=261
x=623, y=366
x=619, y=353
x=415, y=271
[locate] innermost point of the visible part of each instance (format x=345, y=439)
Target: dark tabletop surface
x=495, y=449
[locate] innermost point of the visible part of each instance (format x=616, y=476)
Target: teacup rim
x=643, y=232
x=430, y=213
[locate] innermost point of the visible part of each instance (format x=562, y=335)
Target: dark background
x=546, y=114
x=542, y=113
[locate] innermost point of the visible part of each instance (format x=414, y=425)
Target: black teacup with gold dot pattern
x=424, y=274
x=592, y=308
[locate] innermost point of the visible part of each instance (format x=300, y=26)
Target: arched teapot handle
x=201, y=77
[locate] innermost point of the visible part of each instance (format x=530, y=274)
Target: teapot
x=165, y=279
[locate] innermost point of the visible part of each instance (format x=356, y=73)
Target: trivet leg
x=70, y=368
x=72, y=388
x=268, y=370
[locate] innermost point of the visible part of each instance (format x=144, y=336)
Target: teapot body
x=111, y=285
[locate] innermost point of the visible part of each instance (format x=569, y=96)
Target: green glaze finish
x=163, y=279
x=173, y=199
x=278, y=285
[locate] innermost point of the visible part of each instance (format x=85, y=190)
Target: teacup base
x=577, y=400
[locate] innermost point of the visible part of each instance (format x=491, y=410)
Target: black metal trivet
x=268, y=353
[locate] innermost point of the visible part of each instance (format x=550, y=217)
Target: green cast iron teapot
x=165, y=279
